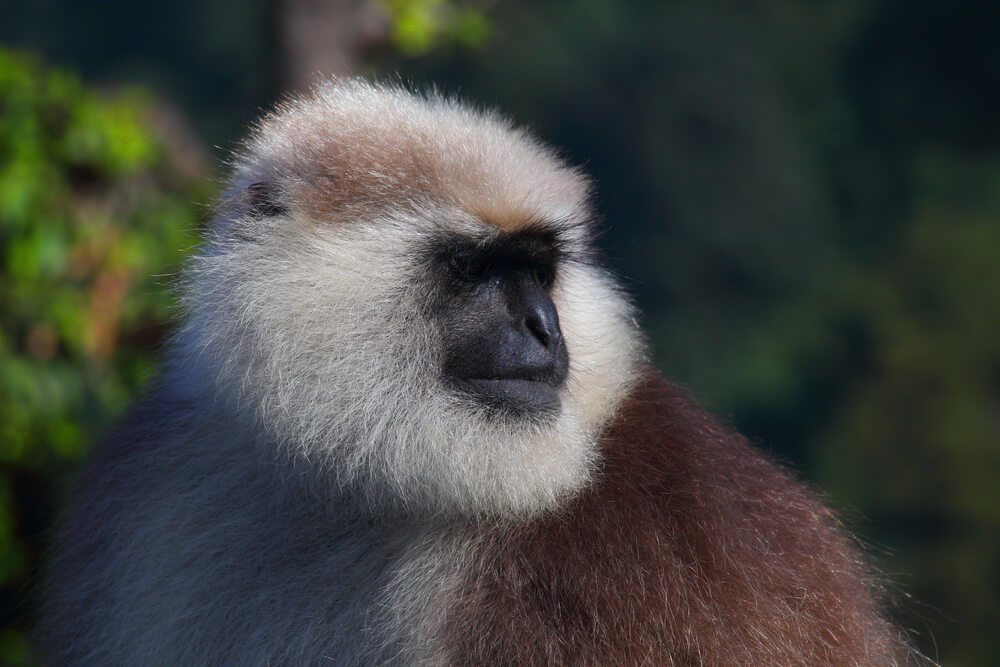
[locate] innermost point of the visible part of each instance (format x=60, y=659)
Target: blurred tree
x=325, y=36
x=333, y=37
x=91, y=212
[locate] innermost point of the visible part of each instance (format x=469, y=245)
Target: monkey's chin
x=514, y=396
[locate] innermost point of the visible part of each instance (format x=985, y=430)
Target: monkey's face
x=501, y=338
x=401, y=295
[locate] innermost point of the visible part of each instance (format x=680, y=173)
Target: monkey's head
x=400, y=294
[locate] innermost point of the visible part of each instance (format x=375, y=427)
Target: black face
x=503, y=345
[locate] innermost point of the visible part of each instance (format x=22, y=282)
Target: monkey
x=409, y=419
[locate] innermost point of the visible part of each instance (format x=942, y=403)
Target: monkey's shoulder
x=667, y=454
x=155, y=441
x=676, y=484
x=685, y=524
x=168, y=518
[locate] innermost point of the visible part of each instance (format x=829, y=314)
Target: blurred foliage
x=418, y=26
x=888, y=374
x=915, y=442
x=90, y=215
x=804, y=197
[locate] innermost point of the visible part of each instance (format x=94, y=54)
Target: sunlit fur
x=314, y=323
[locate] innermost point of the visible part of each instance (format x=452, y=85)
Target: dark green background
x=804, y=198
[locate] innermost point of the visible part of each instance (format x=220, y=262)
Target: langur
x=408, y=419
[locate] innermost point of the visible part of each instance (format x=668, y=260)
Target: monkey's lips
x=514, y=394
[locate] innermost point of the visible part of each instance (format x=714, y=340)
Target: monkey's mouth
x=517, y=395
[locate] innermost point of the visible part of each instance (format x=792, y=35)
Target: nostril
x=544, y=326
x=535, y=327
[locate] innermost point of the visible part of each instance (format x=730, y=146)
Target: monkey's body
x=689, y=549
x=407, y=422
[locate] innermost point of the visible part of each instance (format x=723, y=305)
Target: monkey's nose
x=543, y=355
x=542, y=321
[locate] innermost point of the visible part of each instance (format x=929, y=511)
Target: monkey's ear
x=242, y=212
x=263, y=200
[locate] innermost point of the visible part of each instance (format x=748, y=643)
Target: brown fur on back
x=690, y=549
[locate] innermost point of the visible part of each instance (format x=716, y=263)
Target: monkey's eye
x=543, y=276
x=468, y=268
x=460, y=266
